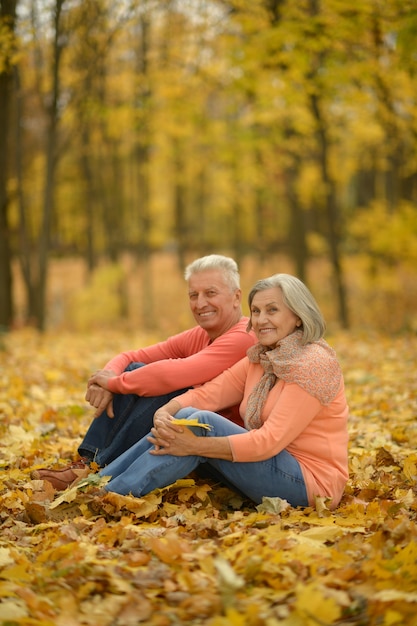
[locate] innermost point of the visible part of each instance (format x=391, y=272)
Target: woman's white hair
x=299, y=299
x=224, y=264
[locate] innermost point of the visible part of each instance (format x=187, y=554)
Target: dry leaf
x=195, y=551
x=191, y=422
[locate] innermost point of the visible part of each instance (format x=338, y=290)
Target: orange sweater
x=184, y=360
x=314, y=434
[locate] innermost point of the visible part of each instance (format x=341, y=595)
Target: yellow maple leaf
x=5, y=557
x=17, y=573
x=71, y=493
x=169, y=549
x=321, y=503
x=314, y=606
x=199, y=491
x=393, y=618
x=273, y=505
x=191, y=422
x=227, y=575
x=13, y=609
x=410, y=467
x=140, y=507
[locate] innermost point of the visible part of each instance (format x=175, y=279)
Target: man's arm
x=197, y=368
x=97, y=395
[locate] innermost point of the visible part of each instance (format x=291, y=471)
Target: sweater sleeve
x=225, y=390
x=186, y=360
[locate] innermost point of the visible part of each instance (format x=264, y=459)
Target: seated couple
x=292, y=439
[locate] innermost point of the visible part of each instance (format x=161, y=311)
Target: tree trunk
x=331, y=209
x=298, y=243
x=87, y=172
x=7, y=20
x=181, y=226
x=142, y=156
x=25, y=247
x=315, y=99
x=34, y=263
x=51, y=160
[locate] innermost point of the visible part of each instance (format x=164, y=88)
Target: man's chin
x=207, y=325
x=206, y=321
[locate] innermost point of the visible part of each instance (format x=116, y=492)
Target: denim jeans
x=137, y=472
x=108, y=437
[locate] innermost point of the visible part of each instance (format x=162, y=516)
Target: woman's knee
x=220, y=426
x=186, y=413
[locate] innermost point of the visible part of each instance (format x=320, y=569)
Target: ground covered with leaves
x=195, y=552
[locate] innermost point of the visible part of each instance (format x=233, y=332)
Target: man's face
x=215, y=307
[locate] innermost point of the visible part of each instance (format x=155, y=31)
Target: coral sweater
x=187, y=359
x=292, y=419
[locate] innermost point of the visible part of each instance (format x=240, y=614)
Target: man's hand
x=101, y=378
x=98, y=395
x=101, y=399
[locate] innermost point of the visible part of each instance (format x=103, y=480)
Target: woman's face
x=271, y=319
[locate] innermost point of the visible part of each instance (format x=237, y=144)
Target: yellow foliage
x=388, y=235
x=99, y=300
x=312, y=604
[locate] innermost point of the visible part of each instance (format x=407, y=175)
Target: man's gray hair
x=299, y=299
x=224, y=264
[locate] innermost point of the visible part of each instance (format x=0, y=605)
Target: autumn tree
x=88, y=57
x=253, y=127
x=34, y=257
x=7, y=52
x=143, y=104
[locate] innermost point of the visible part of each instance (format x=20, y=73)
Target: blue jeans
x=108, y=437
x=137, y=472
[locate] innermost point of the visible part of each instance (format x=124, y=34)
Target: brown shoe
x=62, y=478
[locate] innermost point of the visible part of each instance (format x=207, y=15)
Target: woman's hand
x=166, y=412
x=164, y=430
x=162, y=418
x=168, y=438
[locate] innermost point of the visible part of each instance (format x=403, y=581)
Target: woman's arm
x=169, y=438
x=183, y=442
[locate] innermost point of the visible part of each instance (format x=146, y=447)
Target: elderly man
x=134, y=384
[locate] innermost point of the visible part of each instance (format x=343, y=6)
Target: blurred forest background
x=137, y=135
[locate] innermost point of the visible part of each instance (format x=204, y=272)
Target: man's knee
x=134, y=366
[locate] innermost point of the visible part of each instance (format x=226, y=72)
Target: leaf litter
x=196, y=552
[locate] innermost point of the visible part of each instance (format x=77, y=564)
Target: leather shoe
x=62, y=478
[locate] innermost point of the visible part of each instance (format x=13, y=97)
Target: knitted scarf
x=313, y=367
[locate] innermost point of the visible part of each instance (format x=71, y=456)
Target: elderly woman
x=292, y=400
